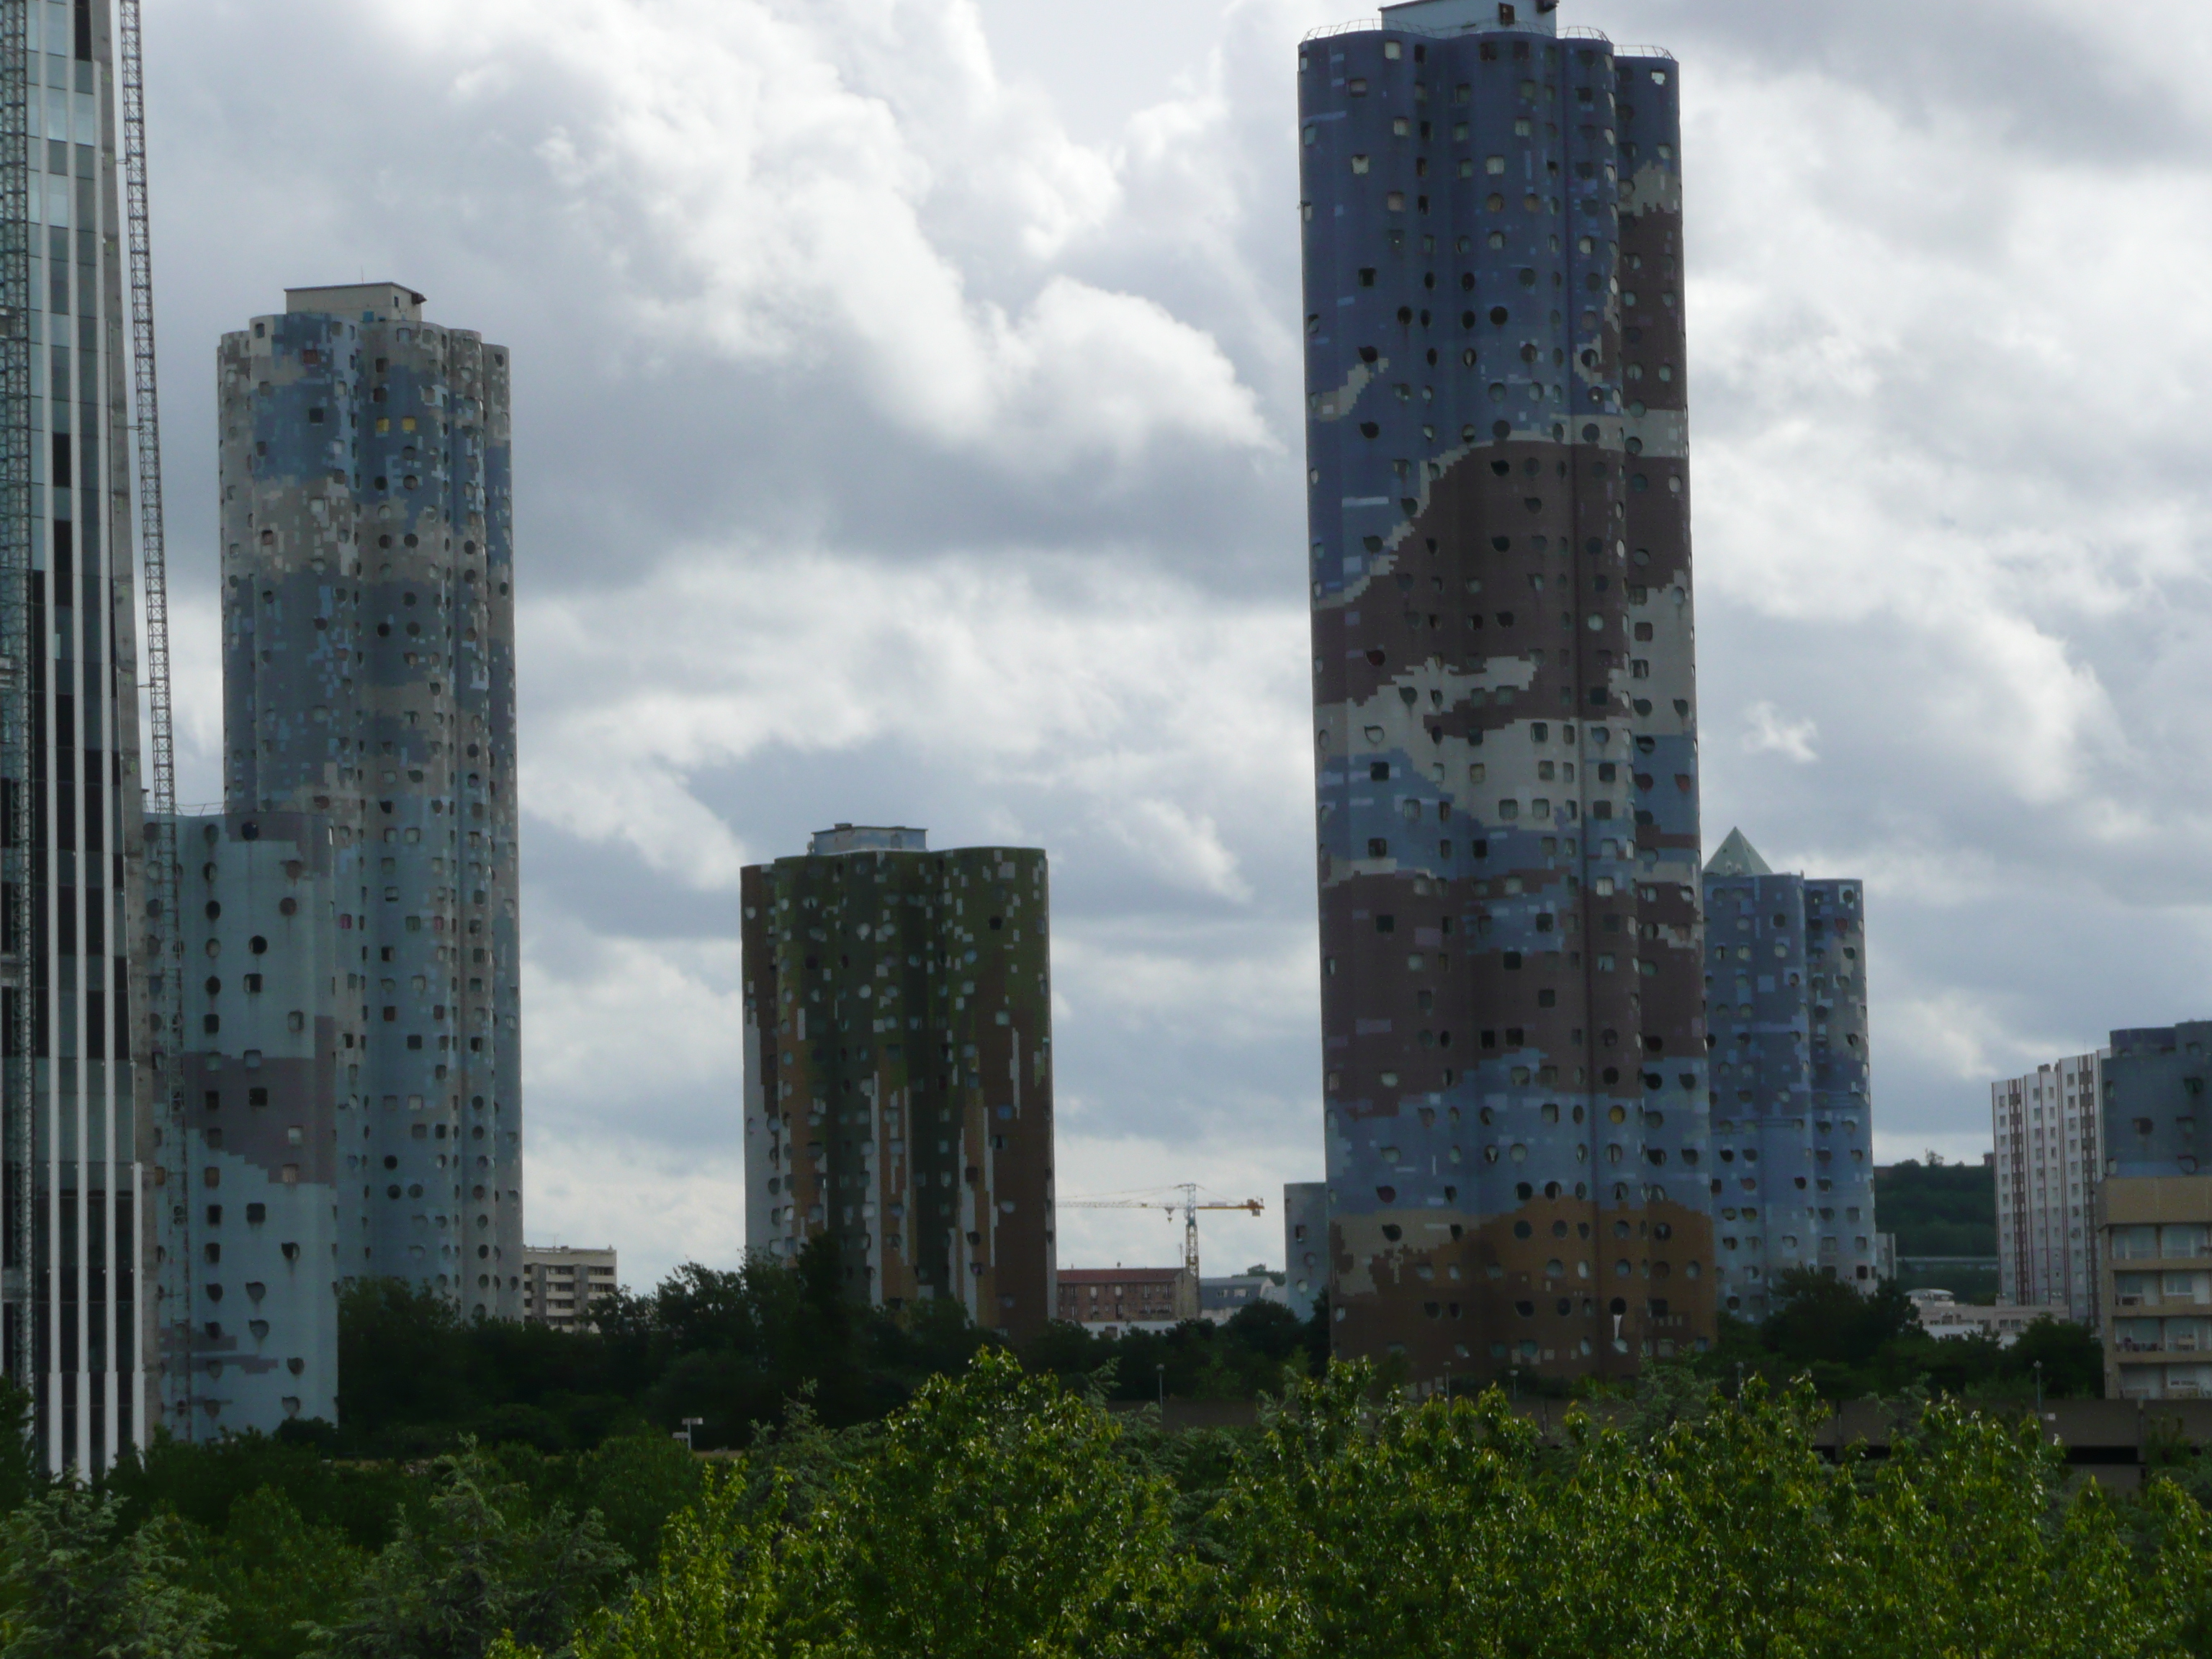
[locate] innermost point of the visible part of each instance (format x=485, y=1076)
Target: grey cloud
x=2070, y=83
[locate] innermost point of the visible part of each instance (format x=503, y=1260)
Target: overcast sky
x=907, y=429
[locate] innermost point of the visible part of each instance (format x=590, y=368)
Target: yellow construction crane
x=1190, y=1204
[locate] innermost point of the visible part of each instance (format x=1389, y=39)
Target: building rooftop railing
x=1366, y=25
x=1571, y=31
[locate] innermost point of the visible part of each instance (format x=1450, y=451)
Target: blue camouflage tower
x=1792, y=1119
x=1515, y=1076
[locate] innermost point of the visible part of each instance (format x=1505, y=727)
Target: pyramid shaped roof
x=1737, y=857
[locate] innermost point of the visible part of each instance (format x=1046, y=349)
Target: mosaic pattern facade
x=898, y=1070
x=1515, y=1071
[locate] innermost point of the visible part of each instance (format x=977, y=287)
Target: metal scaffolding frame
x=163, y=961
x=18, y=681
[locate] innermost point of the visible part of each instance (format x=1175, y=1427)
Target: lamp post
x=689, y=1424
x=1515, y=1373
x=2038, y=1395
x=1161, y=1371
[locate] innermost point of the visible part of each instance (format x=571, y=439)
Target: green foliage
x=1239, y=1359
x=994, y=1517
x=274, y=1572
x=481, y=1565
x=204, y=1483
x=1852, y=1347
x=731, y=1348
x=998, y=1514
x=1938, y=1209
x=22, y=1471
x=73, y=1584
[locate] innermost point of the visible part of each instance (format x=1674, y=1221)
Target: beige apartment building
x=2158, y=1287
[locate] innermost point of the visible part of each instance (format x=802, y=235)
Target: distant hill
x=1939, y=1209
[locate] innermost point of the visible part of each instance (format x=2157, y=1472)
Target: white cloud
x=713, y=663
x=799, y=188
x=1770, y=732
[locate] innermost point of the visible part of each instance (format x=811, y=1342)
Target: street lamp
x=1161, y=1371
x=2038, y=1394
x=689, y=1424
x=1515, y=1372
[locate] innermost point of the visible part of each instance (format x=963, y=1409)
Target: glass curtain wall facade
x=78, y=1132
x=1515, y=1071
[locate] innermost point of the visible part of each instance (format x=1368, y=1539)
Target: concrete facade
x=249, y=1251
x=368, y=683
x=1792, y=1117
x=2047, y=1127
x=1514, y=1068
x=2154, y=1211
x=898, y=1069
x=559, y=1285
x=83, y=1131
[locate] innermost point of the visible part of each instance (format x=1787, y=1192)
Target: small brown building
x=1120, y=1297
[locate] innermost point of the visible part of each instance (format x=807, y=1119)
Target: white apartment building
x=559, y=1285
x=2047, y=1130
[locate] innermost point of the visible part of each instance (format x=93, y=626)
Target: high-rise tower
x=77, y=1061
x=368, y=683
x=1792, y=1119
x=2048, y=1129
x=1514, y=1074
x=898, y=1069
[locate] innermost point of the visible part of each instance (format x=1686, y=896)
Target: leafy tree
x=204, y=1482
x=718, y=1595
x=1818, y=1317
x=274, y=1572
x=481, y=1565
x=636, y=1484
x=22, y=1471
x=996, y=1518
x=74, y=1586
x=2073, y=1359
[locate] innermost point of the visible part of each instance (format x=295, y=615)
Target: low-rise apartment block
x=1112, y=1300
x=560, y=1285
